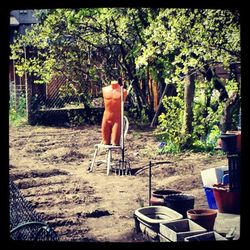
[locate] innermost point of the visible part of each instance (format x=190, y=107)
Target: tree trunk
x=169, y=90
x=187, y=127
x=231, y=105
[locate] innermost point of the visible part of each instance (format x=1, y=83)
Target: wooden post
x=159, y=106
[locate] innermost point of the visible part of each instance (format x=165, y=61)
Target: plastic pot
x=228, y=142
x=180, y=203
x=203, y=217
x=238, y=139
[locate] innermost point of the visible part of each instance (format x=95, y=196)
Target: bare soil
x=49, y=165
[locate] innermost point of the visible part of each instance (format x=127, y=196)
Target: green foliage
x=70, y=90
x=205, y=128
x=75, y=119
x=231, y=86
x=17, y=113
x=170, y=122
x=209, y=143
x=191, y=38
x=83, y=45
x=206, y=113
x=169, y=148
x=133, y=113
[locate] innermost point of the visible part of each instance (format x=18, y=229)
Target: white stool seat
x=109, y=149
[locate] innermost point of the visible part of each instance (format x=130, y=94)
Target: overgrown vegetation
x=17, y=111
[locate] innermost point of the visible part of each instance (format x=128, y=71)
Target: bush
x=170, y=126
x=170, y=123
x=17, y=112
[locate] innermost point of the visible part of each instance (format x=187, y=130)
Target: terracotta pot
x=203, y=217
x=154, y=201
x=219, y=143
x=157, y=197
x=226, y=201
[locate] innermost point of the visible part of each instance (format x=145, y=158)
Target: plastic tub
x=151, y=216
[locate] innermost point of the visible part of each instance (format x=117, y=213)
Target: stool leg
x=93, y=160
x=108, y=161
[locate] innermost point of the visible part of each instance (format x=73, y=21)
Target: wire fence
x=54, y=102
x=25, y=223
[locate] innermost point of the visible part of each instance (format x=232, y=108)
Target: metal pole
x=149, y=184
x=122, y=121
x=26, y=85
x=14, y=78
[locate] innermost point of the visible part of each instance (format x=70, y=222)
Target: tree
x=189, y=90
x=86, y=45
x=196, y=39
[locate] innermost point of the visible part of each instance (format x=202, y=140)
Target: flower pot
x=228, y=142
x=157, y=197
x=219, y=143
x=238, y=139
x=226, y=201
x=203, y=217
x=180, y=202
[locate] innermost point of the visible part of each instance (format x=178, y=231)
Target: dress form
x=111, y=122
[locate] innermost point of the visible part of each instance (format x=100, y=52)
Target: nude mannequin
x=111, y=122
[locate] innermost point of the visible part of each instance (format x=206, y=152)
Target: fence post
x=28, y=91
x=14, y=81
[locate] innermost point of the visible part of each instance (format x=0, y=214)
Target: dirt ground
x=49, y=165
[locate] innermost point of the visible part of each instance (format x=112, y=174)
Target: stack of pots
x=231, y=141
x=157, y=198
x=228, y=197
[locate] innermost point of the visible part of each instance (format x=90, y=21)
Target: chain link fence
x=55, y=102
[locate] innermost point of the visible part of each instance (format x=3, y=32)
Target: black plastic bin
x=229, y=142
x=180, y=203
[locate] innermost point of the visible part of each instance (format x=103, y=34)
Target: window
x=23, y=11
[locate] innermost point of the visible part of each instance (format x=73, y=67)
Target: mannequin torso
x=111, y=123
